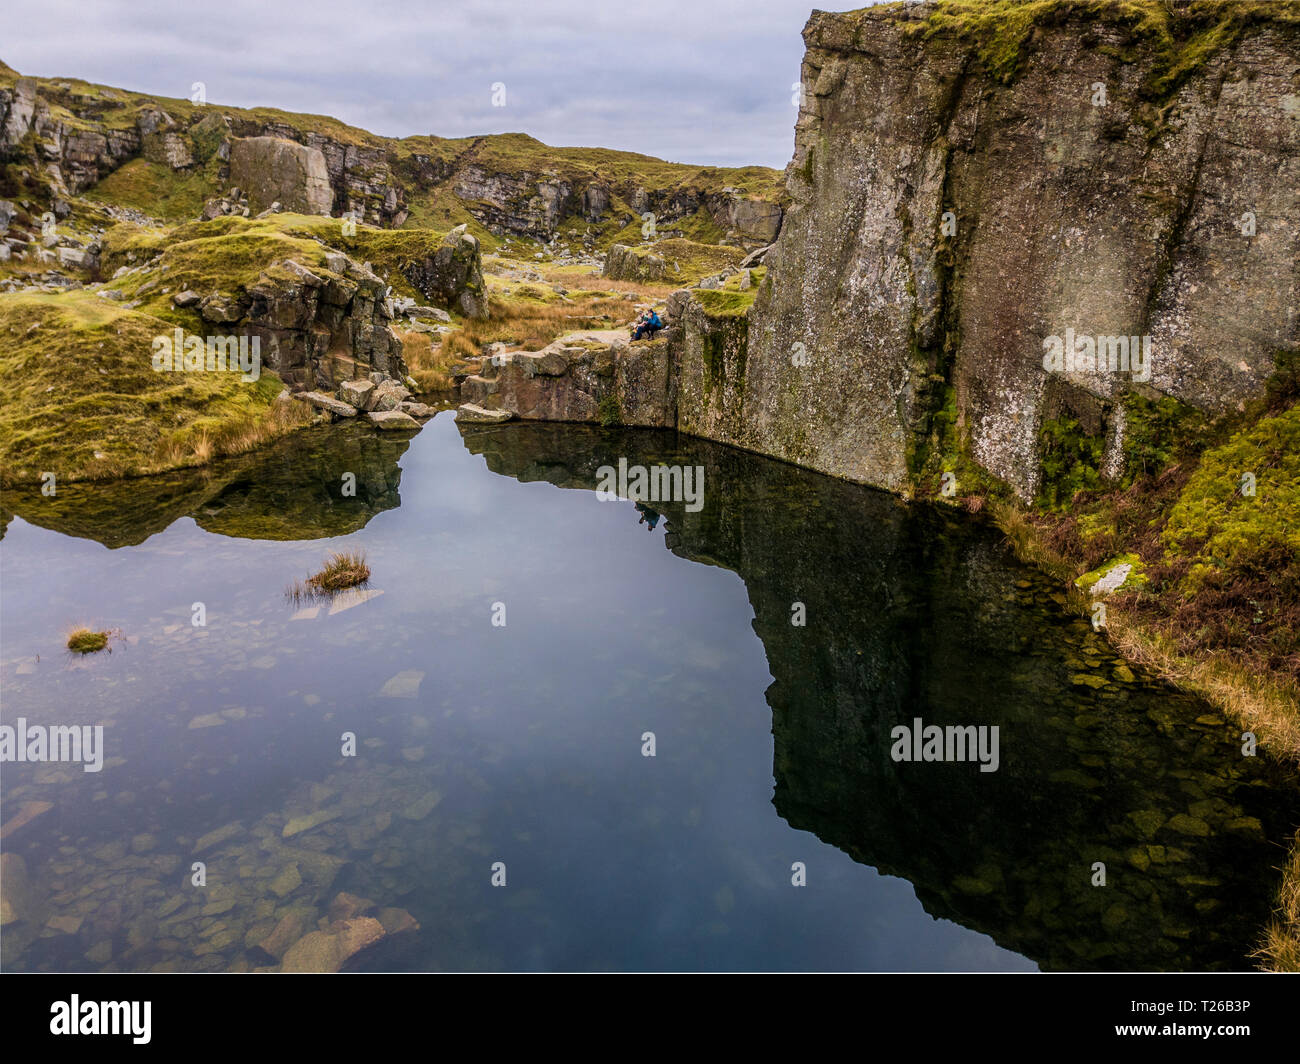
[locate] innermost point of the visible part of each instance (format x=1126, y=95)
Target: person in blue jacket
x=647, y=325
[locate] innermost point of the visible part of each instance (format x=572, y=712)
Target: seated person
x=647, y=324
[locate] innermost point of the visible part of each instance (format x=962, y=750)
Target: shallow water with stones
x=522, y=744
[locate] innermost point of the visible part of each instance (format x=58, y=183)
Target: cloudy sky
x=699, y=81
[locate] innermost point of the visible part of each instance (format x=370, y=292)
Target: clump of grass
x=84, y=641
x=1280, y=950
x=718, y=303
x=343, y=570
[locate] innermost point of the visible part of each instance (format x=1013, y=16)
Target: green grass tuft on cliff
x=1179, y=40
x=718, y=303
x=230, y=253
x=1239, y=513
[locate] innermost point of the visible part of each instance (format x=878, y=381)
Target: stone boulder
x=356, y=393
x=271, y=170
x=387, y=395
x=623, y=263
x=474, y=414
x=327, y=403
x=393, y=420
x=452, y=275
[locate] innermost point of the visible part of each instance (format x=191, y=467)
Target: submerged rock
x=16, y=897
x=287, y=931
x=326, y=951
x=305, y=823
x=27, y=812
x=474, y=414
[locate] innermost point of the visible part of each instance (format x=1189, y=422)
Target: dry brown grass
x=1262, y=703
x=341, y=571
x=1280, y=950
x=429, y=367
x=531, y=325
x=645, y=292
x=198, y=446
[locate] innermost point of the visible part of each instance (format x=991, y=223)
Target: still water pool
x=520, y=745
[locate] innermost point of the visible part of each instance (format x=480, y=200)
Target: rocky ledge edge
x=387, y=403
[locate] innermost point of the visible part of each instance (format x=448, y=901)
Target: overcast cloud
x=699, y=81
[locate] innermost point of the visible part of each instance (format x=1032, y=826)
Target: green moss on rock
x=1070, y=461
x=1224, y=525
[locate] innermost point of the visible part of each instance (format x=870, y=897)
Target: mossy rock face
x=451, y=275
x=1178, y=41
x=1158, y=431
x=1070, y=461
x=610, y=411
x=1241, y=508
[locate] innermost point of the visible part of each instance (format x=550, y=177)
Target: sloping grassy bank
x=84, y=402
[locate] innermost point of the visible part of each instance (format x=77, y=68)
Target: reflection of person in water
x=649, y=517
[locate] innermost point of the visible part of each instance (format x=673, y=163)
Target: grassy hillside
x=84, y=402
x=156, y=189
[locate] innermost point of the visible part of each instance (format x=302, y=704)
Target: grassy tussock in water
x=342, y=570
x=84, y=641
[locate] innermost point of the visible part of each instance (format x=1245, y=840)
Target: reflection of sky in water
x=528, y=735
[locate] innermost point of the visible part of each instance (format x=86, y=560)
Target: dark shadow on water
x=912, y=612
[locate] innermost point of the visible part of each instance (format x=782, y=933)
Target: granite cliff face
x=271, y=170
x=950, y=213
x=972, y=198
x=1084, y=772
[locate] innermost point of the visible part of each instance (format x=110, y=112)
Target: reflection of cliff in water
x=291, y=490
x=916, y=613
